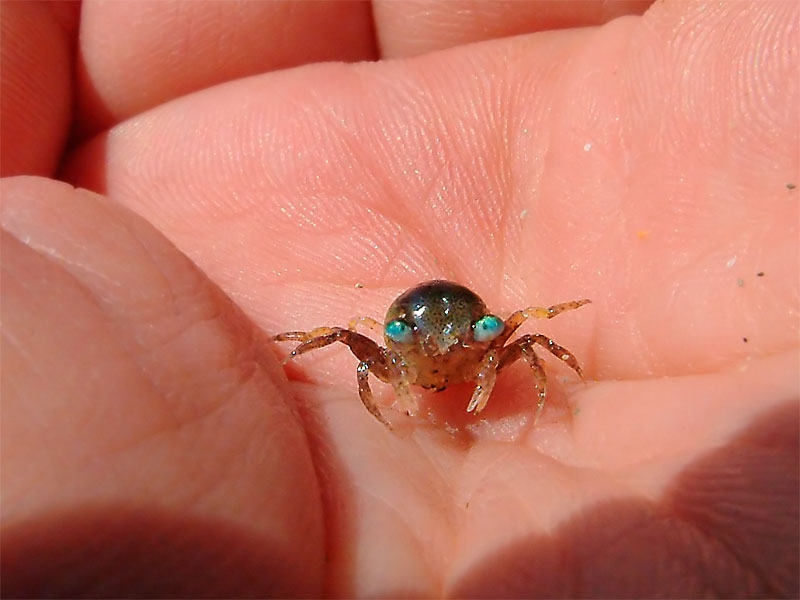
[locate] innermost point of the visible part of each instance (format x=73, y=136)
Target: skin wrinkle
x=91, y=297
x=511, y=224
x=138, y=240
x=447, y=265
x=384, y=272
x=436, y=563
x=403, y=518
x=391, y=253
x=498, y=136
x=484, y=471
x=502, y=229
x=434, y=179
x=652, y=523
x=619, y=536
x=694, y=519
x=712, y=540
x=370, y=170
x=686, y=538
x=42, y=252
x=431, y=189
x=20, y=349
x=51, y=254
x=32, y=364
x=134, y=353
x=173, y=424
x=177, y=424
x=323, y=460
x=344, y=137
x=640, y=344
x=414, y=237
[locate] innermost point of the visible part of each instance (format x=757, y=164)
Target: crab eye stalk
x=399, y=331
x=488, y=328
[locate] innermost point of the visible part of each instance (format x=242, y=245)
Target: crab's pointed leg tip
x=383, y=421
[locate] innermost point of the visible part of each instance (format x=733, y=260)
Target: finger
x=138, y=404
x=36, y=88
x=412, y=27
x=341, y=176
x=136, y=55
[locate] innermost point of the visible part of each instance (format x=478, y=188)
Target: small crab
x=439, y=333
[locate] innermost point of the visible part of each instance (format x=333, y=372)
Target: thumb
x=148, y=445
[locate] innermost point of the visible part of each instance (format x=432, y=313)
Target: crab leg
x=526, y=343
x=382, y=363
x=517, y=318
x=363, y=347
x=365, y=393
x=368, y=322
x=523, y=348
x=484, y=382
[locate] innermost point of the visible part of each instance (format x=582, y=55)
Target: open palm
x=152, y=444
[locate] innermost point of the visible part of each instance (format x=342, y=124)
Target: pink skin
x=642, y=164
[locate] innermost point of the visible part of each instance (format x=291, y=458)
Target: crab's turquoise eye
x=398, y=331
x=487, y=328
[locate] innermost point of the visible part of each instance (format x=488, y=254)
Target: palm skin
x=145, y=409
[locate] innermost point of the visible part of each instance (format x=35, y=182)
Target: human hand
x=151, y=443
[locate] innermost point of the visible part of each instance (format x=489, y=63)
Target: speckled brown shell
x=441, y=315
